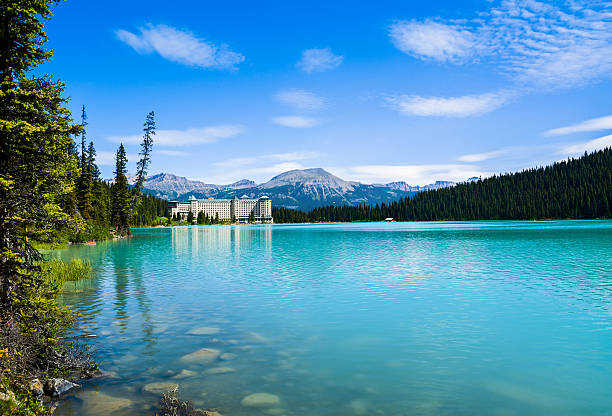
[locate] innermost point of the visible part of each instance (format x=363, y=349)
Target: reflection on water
x=425, y=318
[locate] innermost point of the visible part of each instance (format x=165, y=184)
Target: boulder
x=185, y=374
x=219, y=370
x=261, y=400
x=36, y=388
x=227, y=356
x=9, y=398
x=159, y=387
x=55, y=387
x=205, y=330
x=202, y=355
x=102, y=404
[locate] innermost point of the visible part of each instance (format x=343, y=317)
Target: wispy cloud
x=590, y=146
x=180, y=46
x=464, y=106
x=595, y=124
x=236, y=162
x=105, y=158
x=479, y=157
x=293, y=156
x=297, y=122
x=412, y=174
x=188, y=137
x=319, y=60
x=432, y=40
x=300, y=100
x=538, y=44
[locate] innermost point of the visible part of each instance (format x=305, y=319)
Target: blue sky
x=371, y=91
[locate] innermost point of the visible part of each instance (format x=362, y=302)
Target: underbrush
x=58, y=271
x=32, y=329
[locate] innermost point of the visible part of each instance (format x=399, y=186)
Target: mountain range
x=299, y=189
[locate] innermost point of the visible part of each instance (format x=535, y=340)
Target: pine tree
x=121, y=197
x=37, y=164
x=145, y=151
x=85, y=182
x=190, y=217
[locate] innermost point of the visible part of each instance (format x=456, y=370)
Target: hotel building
x=227, y=210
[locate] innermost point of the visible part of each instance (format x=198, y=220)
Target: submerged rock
x=159, y=387
x=102, y=404
x=260, y=400
x=55, y=387
x=185, y=374
x=227, y=356
x=201, y=355
x=205, y=330
x=275, y=411
x=254, y=336
x=219, y=370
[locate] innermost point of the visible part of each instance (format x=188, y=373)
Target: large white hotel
x=226, y=210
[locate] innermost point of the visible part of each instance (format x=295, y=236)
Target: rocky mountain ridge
x=299, y=189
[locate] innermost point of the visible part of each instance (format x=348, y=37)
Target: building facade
x=226, y=210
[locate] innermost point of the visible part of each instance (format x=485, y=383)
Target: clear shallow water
x=471, y=318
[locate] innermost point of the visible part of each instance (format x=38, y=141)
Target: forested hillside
x=575, y=188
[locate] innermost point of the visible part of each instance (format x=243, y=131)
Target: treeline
x=572, y=189
x=98, y=206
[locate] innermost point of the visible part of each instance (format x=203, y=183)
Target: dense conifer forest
x=575, y=188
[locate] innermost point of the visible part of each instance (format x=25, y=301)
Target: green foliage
x=120, y=195
x=145, y=151
x=190, y=217
x=24, y=405
x=202, y=219
x=38, y=171
x=576, y=188
x=58, y=271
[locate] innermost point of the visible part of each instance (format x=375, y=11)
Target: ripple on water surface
x=508, y=318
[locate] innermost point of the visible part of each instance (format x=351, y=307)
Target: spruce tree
x=37, y=172
x=121, y=197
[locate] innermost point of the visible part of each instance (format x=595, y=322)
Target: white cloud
x=464, y=106
x=259, y=174
x=479, y=157
x=590, y=146
x=236, y=162
x=105, y=158
x=319, y=60
x=558, y=45
x=293, y=156
x=595, y=124
x=300, y=100
x=297, y=122
x=412, y=174
x=189, y=137
x=432, y=40
x=180, y=46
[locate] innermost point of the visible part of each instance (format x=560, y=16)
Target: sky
x=370, y=91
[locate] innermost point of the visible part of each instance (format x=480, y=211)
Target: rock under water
x=261, y=400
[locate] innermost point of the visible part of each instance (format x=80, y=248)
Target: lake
x=439, y=318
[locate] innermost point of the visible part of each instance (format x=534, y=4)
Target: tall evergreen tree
x=83, y=137
x=37, y=164
x=121, y=197
x=145, y=151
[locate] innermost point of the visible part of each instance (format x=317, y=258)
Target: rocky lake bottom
x=496, y=318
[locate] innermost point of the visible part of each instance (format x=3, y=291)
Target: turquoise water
x=470, y=318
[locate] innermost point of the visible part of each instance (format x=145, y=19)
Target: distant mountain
x=301, y=189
